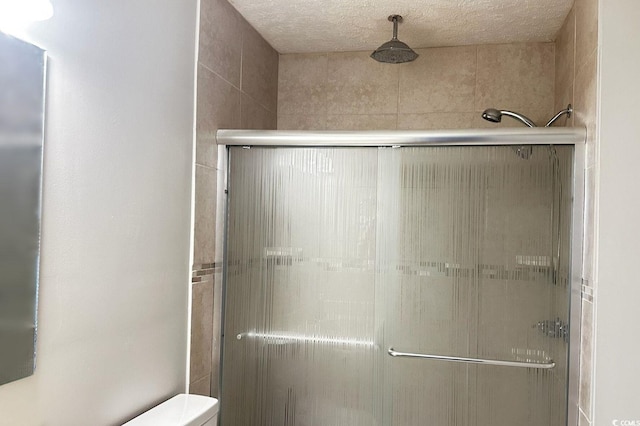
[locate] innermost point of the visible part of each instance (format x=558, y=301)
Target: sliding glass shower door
x=299, y=346
x=339, y=258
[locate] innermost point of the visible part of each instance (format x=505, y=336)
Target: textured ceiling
x=348, y=25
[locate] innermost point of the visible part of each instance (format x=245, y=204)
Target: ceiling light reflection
x=16, y=14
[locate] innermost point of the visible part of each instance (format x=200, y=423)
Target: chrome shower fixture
x=495, y=116
x=568, y=110
x=394, y=51
x=524, y=151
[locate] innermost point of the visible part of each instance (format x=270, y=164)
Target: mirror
x=22, y=75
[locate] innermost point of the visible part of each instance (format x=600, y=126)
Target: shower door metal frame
x=575, y=136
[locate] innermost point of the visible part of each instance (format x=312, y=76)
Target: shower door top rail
x=522, y=364
x=392, y=138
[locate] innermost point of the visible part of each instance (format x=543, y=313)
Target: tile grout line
x=260, y=104
x=325, y=115
x=475, y=86
x=219, y=76
x=584, y=414
x=206, y=167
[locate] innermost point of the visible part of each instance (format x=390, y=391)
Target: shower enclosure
x=402, y=278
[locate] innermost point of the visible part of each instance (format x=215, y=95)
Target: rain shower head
x=394, y=51
x=495, y=116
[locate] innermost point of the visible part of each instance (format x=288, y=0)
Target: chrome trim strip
x=470, y=137
x=540, y=365
x=575, y=304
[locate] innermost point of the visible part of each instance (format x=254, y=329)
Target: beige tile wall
x=448, y=88
x=237, y=88
x=576, y=83
x=444, y=88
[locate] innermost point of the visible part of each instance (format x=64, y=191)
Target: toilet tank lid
x=182, y=410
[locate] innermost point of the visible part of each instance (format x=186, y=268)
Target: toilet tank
x=181, y=410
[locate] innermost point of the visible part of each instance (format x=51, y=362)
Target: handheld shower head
x=495, y=116
x=492, y=115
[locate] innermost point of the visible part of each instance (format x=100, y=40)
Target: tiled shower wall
x=448, y=88
x=444, y=88
x=237, y=89
x=576, y=83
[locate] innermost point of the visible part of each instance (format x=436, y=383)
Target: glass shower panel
x=474, y=264
x=299, y=344
x=335, y=255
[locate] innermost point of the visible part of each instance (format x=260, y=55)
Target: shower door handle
x=542, y=365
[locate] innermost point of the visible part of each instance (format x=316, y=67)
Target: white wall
x=617, y=379
x=116, y=219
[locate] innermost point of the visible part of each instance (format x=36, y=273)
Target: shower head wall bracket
x=568, y=110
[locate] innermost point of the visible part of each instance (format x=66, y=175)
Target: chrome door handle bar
x=543, y=365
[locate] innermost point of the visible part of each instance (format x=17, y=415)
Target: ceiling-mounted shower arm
x=394, y=51
x=568, y=110
x=395, y=19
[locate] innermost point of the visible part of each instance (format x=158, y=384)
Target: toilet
x=181, y=410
